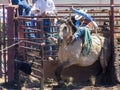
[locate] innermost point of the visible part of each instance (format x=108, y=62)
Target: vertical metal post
x=112, y=26
x=42, y=63
x=4, y=45
x=10, y=33
x=0, y=49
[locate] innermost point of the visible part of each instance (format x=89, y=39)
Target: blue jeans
x=79, y=33
x=30, y=35
x=47, y=30
x=30, y=24
x=24, y=5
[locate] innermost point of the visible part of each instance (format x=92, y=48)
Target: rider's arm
x=82, y=13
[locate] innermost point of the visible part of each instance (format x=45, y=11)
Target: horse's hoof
x=93, y=80
x=61, y=84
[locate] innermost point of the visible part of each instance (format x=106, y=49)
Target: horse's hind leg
x=58, y=71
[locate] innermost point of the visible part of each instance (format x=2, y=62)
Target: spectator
x=45, y=8
x=23, y=4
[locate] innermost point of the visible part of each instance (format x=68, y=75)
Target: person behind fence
x=45, y=8
x=23, y=5
x=83, y=22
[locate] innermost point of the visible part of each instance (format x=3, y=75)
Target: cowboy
x=83, y=21
x=45, y=8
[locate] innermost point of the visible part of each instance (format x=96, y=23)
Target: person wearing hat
x=83, y=21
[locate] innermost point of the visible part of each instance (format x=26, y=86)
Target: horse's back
x=97, y=39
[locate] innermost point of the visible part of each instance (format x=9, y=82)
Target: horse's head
x=65, y=30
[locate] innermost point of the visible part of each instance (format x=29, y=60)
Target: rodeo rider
x=83, y=21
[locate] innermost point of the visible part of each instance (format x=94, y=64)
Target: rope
x=87, y=42
x=11, y=46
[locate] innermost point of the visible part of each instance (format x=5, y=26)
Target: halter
x=69, y=32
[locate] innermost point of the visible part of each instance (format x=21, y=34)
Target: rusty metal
x=21, y=28
x=11, y=51
x=29, y=50
x=83, y=5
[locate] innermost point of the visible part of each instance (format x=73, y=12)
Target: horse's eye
x=65, y=27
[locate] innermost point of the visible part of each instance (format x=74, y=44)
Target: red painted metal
x=4, y=52
x=11, y=51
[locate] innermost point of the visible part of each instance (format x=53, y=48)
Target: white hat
x=78, y=17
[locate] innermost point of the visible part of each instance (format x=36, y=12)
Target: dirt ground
x=28, y=83
x=34, y=85
x=115, y=87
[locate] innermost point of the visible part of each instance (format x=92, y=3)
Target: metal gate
x=17, y=38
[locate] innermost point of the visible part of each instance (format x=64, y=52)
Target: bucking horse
x=72, y=54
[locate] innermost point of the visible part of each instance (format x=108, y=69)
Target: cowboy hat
x=78, y=17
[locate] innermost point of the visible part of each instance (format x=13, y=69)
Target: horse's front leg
x=58, y=71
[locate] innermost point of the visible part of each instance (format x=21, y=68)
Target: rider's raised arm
x=82, y=13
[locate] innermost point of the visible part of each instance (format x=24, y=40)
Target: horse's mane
x=71, y=22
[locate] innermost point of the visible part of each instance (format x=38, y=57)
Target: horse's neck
x=64, y=44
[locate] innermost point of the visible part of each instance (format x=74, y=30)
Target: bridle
x=69, y=32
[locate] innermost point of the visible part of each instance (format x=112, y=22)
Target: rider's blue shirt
x=77, y=23
x=81, y=29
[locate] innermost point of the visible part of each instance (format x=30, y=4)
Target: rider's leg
x=79, y=33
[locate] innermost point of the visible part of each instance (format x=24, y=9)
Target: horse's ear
x=58, y=20
x=61, y=20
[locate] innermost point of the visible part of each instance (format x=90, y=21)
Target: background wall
x=74, y=1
